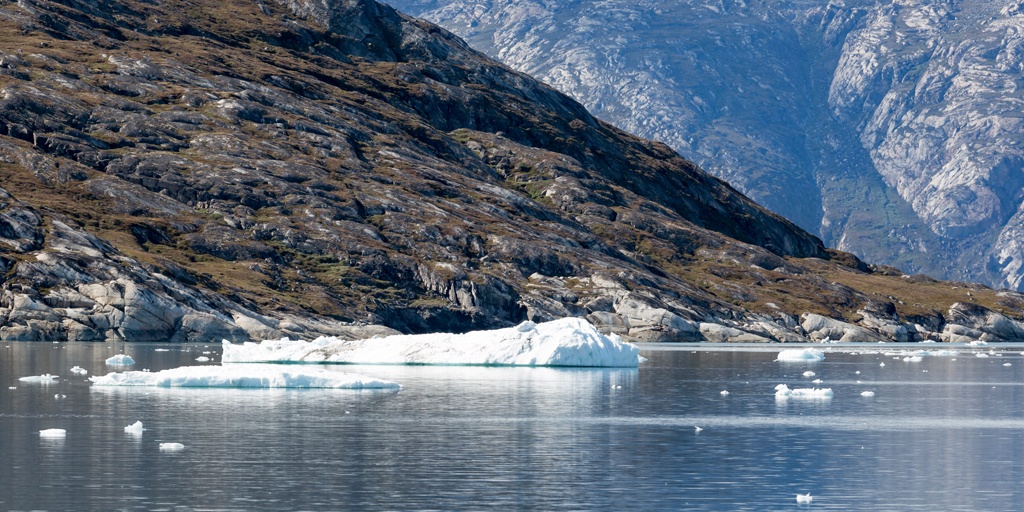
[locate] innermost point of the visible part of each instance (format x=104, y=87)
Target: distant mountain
x=190, y=170
x=891, y=128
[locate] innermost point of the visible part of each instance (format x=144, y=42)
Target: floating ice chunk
x=134, y=429
x=59, y=396
x=697, y=430
x=782, y=391
x=913, y=359
x=801, y=355
x=45, y=378
x=53, y=432
x=243, y=376
x=1007, y=364
x=881, y=364
x=809, y=374
x=171, y=447
x=202, y=359
x=120, y=360
x=725, y=392
x=804, y=498
x=78, y=370
x=12, y=387
x=977, y=343
x=563, y=342
x=817, y=381
x=867, y=394
x=162, y=350
x=981, y=355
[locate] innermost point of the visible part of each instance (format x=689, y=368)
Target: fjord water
x=945, y=433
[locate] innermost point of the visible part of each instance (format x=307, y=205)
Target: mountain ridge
x=185, y=170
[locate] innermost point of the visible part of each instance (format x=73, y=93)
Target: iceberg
x=53, y=432
x=134, y=429
x=242, y=376
x=171, y=447
x=801, y=355
x=120, y=360
x=45, y=378
x=783, y=392
x=867, y=394
x=563, y=342
x=78, y=370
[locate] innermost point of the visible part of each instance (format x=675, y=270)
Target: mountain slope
x=890, y=128
x=189, y=170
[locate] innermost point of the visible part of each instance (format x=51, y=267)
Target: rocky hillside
x=891, y=128
x=195, y=170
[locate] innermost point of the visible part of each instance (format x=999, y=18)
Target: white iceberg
x=867, y=394
x=809, y=374
x=782, y=391
x=120, y=360
x=563, y=342
x=45, y=378
x=801, y=355
x=202, y=359
x=804, y=498
x=78, y=370
x=171, y=447
x=243, y=376
x=53, y=432
x=134, y=429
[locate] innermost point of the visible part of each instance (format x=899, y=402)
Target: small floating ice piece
x=162, y=350
x=913, y=359
x=867, y=394
x=977, y=343
x=202, y=359
x=78, y=370
x=697, y=429
x=809, y=374
x=134, y=429
x=804, y=498
x=725, y=392
x=881, y=364
x=1007, y=364
x=817, y=381
x=45, y=378
x=53, y=432
x=801, y=355
x=782, y=391
x=171, y=447
x=120, y=360
x=981, y=355
x=243, y=376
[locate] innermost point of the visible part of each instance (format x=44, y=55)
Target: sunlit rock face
x=890, y=128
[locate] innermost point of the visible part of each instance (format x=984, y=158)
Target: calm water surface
x=941, y=434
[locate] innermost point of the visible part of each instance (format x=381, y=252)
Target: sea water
x=940, y=433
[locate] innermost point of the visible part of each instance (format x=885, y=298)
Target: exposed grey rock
x=819, y=328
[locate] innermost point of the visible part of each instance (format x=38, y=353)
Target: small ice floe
x=162, y=350
x=977, y=343
x=807, y=355
x=867, y=394
x=981, y=355
x=881, y=364
x=724, y=392
x=697, y=429
x=12, y=387
x=809, y=374
x=78, y=370
x=782, y=391
x=243, y=376
x=804, y=498
x=120, y=360
x=857, y=372
x=134, y=429
x=171, y=447
x=1007, y=364
x=53, y=432
x=817, y=381
x=45, y=378
x=202, y=359
x=59, y=396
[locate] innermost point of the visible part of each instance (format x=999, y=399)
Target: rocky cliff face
x=190, y=170
x=890, y=128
